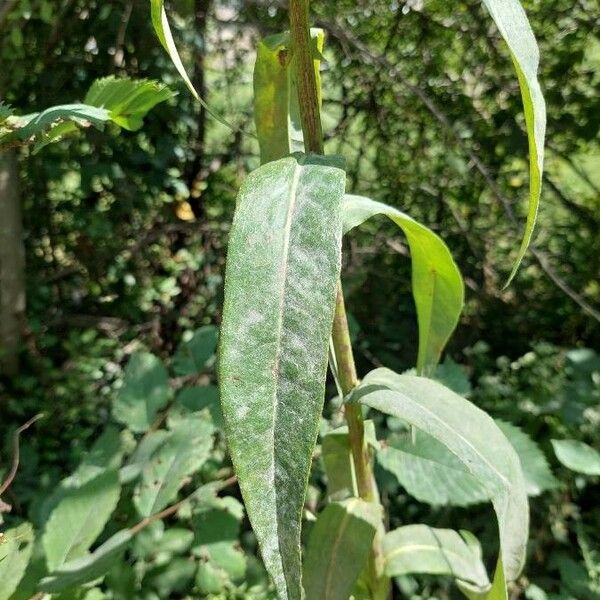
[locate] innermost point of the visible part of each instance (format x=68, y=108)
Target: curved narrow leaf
x=15, y=552
x=87, y=568
x=79, y=518
x=577, y=456
x=160, y=22
x=184, y=452
x=145, y=391
x=338, y=548
x=423, y=549
x=437, y=284
x=472, y=436
x=283, y=264
x=512, y=22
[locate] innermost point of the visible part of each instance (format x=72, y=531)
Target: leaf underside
x=283, y=265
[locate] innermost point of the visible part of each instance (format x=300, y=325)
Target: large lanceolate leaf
x=511, y=20
x=79, y=518
x=437, y=284
x=89, y=567
x=338, y=548
x=15, y=552
x=160, y=22
x=423, y=549
x=283, y=264
x=276, y=110
x=472, y=436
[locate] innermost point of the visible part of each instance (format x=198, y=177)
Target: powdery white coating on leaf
x=282, y=269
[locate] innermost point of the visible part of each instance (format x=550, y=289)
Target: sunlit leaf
x=16, y=546
x=472, y=436
x=512, y=22
x=577, y=456
x=436, y=281
x=283, y=266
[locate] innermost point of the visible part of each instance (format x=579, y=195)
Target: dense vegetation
x=125, y=237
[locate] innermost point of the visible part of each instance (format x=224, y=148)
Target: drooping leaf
x=127, y=100
x=472, y=436
x=424, y=549
x=15, y=551
x=79, y=518
x=512, y=22
x=338, y=548
x=89, y=567
x=182, y=454
x=276, y=110
x=497, y=591
x=436, y=281
x=191, y=356
x=537, y=473
x=160, y=22
x=145, y=391
x=282, y=269
x=577, y=456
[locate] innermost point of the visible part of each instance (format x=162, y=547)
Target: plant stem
x=308, y=96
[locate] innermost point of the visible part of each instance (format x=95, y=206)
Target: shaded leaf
x=338, y=548
x=511, y=20
x=437, y=284
x=472, y=436
x=577, y=456
x=16, y=547
x=89, y=567
x=182, y=453
x=144, y=392
x=192, y=355
x=79, y=518
x=424, y=549
x=283, y=265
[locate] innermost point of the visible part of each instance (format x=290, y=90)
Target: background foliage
x=125, y=240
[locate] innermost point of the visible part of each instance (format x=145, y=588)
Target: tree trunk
x=12, y=265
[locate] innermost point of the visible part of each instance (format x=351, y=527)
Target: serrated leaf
x=283, y=266
x=160, y=22
x=437, y=284
x=144, y=392
x=423, y=549
x=537, y=473
x=276, y=109
x=182, y=454
x=577, y=456
x=472, y=436
x=79, y=518
x=89, y=567
x=15, y=551
x=192, y=355
x=511, y=20
x=338, y=548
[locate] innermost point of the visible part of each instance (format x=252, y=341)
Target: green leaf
x=127, y=100
x=79, y=518
x=283, y=266
x=537, y=473
x=192, y=355
x=472, y=436
x=142, y=454
x=160, y=22
x=436, y=281
x=423, y=549
x=337, y=458
x=15, y=551
x=145, y=391
x=182, y=454
x=338, y=548
x=577, y=456
x=89, y=567
x=198, y=398
x=276, y=110
x=511, y=20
